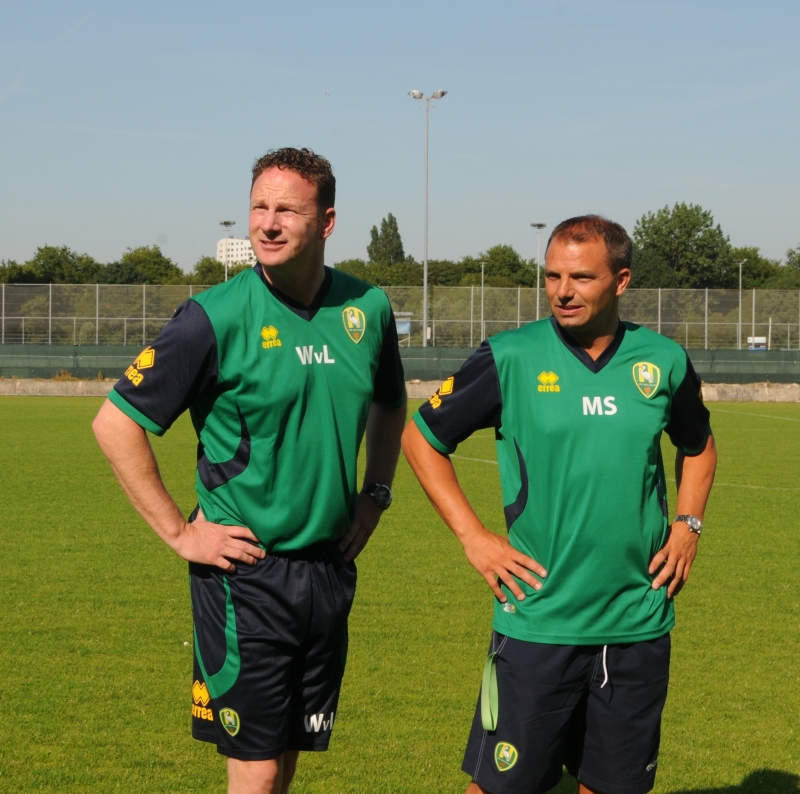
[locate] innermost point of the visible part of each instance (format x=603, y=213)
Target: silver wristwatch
x=380, y=494
x=693, y=522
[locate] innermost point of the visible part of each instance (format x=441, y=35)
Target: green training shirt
x=578, y=448
x=278, y=395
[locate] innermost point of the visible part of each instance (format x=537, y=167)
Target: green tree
x=757, y=270
x=385, y=245
x=793, y=258
x=650, y=271
x=208, y=270
x=503, y=267
x=686, y=240
x=12, y=272
x=61, y=265
x=152, y=266
x=121, y=273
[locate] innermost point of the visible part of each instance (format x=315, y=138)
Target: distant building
x=234, y=250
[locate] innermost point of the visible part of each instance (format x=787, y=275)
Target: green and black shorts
x=270, y=644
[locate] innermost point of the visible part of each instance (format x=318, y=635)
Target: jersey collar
x=582, y=355
x=303, y=312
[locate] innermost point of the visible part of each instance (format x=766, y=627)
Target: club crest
x=505, y=756
x=647, y=378
x=230, y=721
x=355, y=323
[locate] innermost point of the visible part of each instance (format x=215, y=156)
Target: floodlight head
x=415, y=94
x=438, y=94
x=539, y=225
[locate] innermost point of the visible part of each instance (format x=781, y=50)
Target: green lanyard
x=489, y=705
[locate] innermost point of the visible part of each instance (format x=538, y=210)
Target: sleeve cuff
x=429, y=436
x=135, y=414
x=692, y=451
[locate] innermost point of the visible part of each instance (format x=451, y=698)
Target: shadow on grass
x=764, y=781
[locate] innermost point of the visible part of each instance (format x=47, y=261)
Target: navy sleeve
x=169, y=375
x=390, y=385
x=467, y=401
x=688, y=426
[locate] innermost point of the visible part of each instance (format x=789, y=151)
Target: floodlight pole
x=739, y=340
x=227, y=225
x=538, y=227
x=438, y=94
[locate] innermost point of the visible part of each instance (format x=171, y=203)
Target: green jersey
x=584, y=489
x=278, y=396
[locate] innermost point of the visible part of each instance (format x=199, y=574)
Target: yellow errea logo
x=647, y=378
x=201, y=699
x=547, y=382
x=270, y=336
x=445, y=389
x=145, y=360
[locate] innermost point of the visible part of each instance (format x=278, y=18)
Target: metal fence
x=110, y=314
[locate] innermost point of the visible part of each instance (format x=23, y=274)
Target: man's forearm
x=694, y=475
x=128, y=450
x=384, y=427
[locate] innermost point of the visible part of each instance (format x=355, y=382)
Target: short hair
x=583, y=228
x=312, y=167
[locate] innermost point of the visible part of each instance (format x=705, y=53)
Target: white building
x=235, y=250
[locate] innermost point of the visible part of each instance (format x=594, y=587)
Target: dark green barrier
x=432, y=363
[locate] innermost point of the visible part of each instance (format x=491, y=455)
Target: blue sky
x=127, y=124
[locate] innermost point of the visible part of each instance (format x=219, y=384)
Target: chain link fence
x=110, y=314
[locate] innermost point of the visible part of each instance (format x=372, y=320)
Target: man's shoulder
x=349, y=289
x=521, y=338
x=640, y=338
x=231, y=290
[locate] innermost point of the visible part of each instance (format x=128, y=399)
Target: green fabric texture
x=221, y=681
x=595, y=512
x=304, y=388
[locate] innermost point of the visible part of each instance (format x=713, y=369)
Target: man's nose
x=564, y=291
x=269, y=221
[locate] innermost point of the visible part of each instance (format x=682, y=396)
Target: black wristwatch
x=381, y=495
x=693, y=522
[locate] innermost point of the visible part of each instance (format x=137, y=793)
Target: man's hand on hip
x=366, y=519
x=494, y=558
x=675, y=559
x=216, y=544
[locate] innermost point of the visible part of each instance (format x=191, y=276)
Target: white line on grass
x=763, y=416
x=720, y=484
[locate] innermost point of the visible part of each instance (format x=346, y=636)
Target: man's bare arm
x=491, y=555
x=695, y=476
x=128, y=450
x=384, y=426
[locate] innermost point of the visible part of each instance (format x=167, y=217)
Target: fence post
x=659, y=310
x=754, y=316
x=50, y=317
x=519, y=297
x=471, y=312
x=144, y=297
x=97, y=314
x=706, y=318
x=4, y=314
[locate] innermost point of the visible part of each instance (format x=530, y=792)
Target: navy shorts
x=594, y=709
x=270, y=644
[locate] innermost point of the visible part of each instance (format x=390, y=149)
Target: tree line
x=679, y=247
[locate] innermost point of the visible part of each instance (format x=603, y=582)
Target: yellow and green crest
x=647, y=378
x=355, y=323
x=230, y=721
x=505, y=756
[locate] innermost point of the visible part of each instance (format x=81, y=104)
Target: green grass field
x=95, y=666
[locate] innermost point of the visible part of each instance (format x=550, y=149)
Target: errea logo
x=547, y=382
x=200, y=701
x=145, y=360
x=270, y=337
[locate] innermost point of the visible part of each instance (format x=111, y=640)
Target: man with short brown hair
x=284, y=368
x=579, y=659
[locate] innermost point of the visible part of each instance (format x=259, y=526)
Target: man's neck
x=595, y=340
x=299, y=285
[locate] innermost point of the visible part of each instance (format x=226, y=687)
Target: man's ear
x=328, y=221
x=623, y=279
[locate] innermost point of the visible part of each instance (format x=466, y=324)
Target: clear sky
x=127, y=124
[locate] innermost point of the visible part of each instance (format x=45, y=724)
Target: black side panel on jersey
x=473, y=404
x=389, y=378
x=688, y=426
x=212, y=475
x=513, y=511
x=185, y=366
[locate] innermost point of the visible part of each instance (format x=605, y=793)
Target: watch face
x=381, y=495
x=694, y=523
